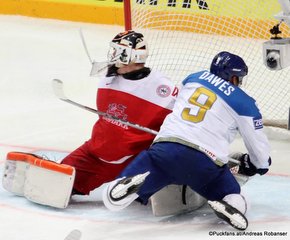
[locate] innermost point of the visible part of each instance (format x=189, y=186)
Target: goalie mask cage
x=184, y=36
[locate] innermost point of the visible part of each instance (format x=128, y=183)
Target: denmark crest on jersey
x=163, y=91
x=118, y=111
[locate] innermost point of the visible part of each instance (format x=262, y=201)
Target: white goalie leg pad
x=172, y=200
x=238, y=201
x=14, y=176
x=42, y=181
x=116, y=205
x=51, y=187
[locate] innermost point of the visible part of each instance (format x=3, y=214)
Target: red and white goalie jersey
x=113, y=145
x=146, y=102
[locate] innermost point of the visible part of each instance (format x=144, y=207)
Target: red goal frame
x=127, y=15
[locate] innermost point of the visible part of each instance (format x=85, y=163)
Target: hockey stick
x=278, y=123
x=57, y=86
x=97, y=67
x=85, y=46
x=74, y=235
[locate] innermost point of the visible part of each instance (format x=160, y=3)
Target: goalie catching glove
x=248, y=168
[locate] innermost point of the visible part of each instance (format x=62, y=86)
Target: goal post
x=127, y=15
x=185, y=35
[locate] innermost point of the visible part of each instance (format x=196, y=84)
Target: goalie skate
x=229, y=214
x=127, y=186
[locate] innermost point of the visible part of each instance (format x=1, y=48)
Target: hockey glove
x=248, y=168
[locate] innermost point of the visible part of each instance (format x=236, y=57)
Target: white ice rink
x=35, y=51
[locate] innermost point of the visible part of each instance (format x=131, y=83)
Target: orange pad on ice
x=37, y=161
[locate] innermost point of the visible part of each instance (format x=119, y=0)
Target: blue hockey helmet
x=226, y=65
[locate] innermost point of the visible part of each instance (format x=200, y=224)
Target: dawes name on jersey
x=222, y=85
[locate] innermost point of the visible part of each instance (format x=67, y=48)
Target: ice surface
x=35, y=51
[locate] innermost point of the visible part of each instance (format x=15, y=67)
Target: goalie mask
x=127, y=47
x=226, y=65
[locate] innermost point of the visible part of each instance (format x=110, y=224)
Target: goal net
x=185, y=35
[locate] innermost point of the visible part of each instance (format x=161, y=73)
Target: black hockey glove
x=248, y=168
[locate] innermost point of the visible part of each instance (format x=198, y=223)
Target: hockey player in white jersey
x=192, y=146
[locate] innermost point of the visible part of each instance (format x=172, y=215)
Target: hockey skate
x=229, y=214
x=127, y=186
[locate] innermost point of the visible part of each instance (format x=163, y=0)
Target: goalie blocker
x=39, y=180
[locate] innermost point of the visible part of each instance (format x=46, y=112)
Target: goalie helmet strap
x=138, y=74
x=112, y=71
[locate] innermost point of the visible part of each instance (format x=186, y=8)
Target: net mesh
x=184, y=36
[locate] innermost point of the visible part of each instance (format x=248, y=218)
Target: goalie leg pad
x=42, y=181
x=172, y=200
x=14, y=176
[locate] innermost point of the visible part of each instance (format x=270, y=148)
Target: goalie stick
x=57, y=86
x=97, y=67
x=85, y=46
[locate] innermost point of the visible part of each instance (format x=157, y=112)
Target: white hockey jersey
x=209, y=112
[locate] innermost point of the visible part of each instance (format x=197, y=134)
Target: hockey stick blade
x=74, y=235
x=57, y=86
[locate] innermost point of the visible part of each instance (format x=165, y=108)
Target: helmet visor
x=119, y=54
